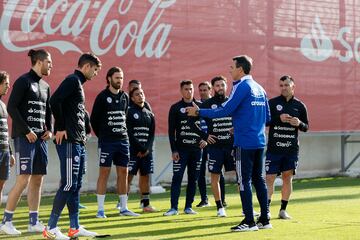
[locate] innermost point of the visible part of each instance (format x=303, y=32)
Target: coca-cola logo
x=106, y=30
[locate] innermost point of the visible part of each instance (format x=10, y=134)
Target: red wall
x=163, y=42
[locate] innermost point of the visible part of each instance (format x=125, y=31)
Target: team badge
x=76, y=158
x=34, y=88
x=136, y=116
x=279, y=107
x=182, y=110
x=109, y=100
x=214, y=106
x=23, y=167
x=102, y=160
x=211, y=167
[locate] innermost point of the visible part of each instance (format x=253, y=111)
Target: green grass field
x=326, y=208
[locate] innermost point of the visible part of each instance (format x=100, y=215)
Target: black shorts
x=145, y=165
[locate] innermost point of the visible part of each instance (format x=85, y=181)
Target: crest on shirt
x=279, y=107
x=182, y=110
x=136, y=116
x=109, y=100
x=214, y=106
x=76, y=158
x=23, y=167
x=102, y=160
x=34, y=87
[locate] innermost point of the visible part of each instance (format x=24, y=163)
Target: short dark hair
x=287, y=77
x=243, y=61
x=218, y=78
x=89, y=58
x=111, y=72
x=206, y=83
x=185, y=82
x=134, y=81
x=36, y=55
x=131, y=93
x=3, y=75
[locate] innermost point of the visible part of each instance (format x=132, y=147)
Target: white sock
x=123, y=202
x=100, y=201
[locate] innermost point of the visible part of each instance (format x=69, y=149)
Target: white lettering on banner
x=318, y=47
x=149, y=37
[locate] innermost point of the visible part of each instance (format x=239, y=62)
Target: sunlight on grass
x=326, y=208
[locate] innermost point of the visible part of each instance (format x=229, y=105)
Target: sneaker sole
x=252, y=229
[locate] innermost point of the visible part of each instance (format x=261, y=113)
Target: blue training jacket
x=248, y=106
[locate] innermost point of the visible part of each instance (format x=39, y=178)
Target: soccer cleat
x=128, y=213
x=263, y=224
x=245, y=227
x=38, y=227
x=221, y=212
x=171, y=212
x=284, y=215
x=81, y=232
x=149, y=209
x=101, y=214
x=224, y=204
x=189, y=211
x=9, y=229
x=203, y=204
x=54, y=233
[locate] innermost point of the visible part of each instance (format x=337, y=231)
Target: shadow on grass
x=157, y=234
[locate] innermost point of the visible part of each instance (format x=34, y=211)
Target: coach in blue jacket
x=249, y=109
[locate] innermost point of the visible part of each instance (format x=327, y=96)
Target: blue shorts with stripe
x=114, y=152
x=4, y=165
x=72, y=163
x=277, y=163
x=219, y=157
x=31, y=158
x=145, y=165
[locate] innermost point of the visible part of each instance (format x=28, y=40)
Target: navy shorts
x=277, y=163
x=219, y=157
x=145, y=165
x=4, y=165
x=114, y=152
x=31, y=158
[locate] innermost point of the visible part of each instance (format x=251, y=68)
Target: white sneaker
x=38, y=227
x=221, y=212
x=81, y=232
x=284, y=215
x=54, y=233
x=256, y=214
x=9, y=229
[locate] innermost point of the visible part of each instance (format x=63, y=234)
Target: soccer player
x=220, y=151
x=141, y=130
x=137, y=84
x=288, y=115
x=248, y=107
x=7, y=159
x=186, y=142
x=205, y=93
x=68, y=105
x=29, y=109
x=108, y=120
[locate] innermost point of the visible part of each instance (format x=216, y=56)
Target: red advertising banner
x=161, y=42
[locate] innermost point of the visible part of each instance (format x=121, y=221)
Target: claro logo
x=318, y=47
